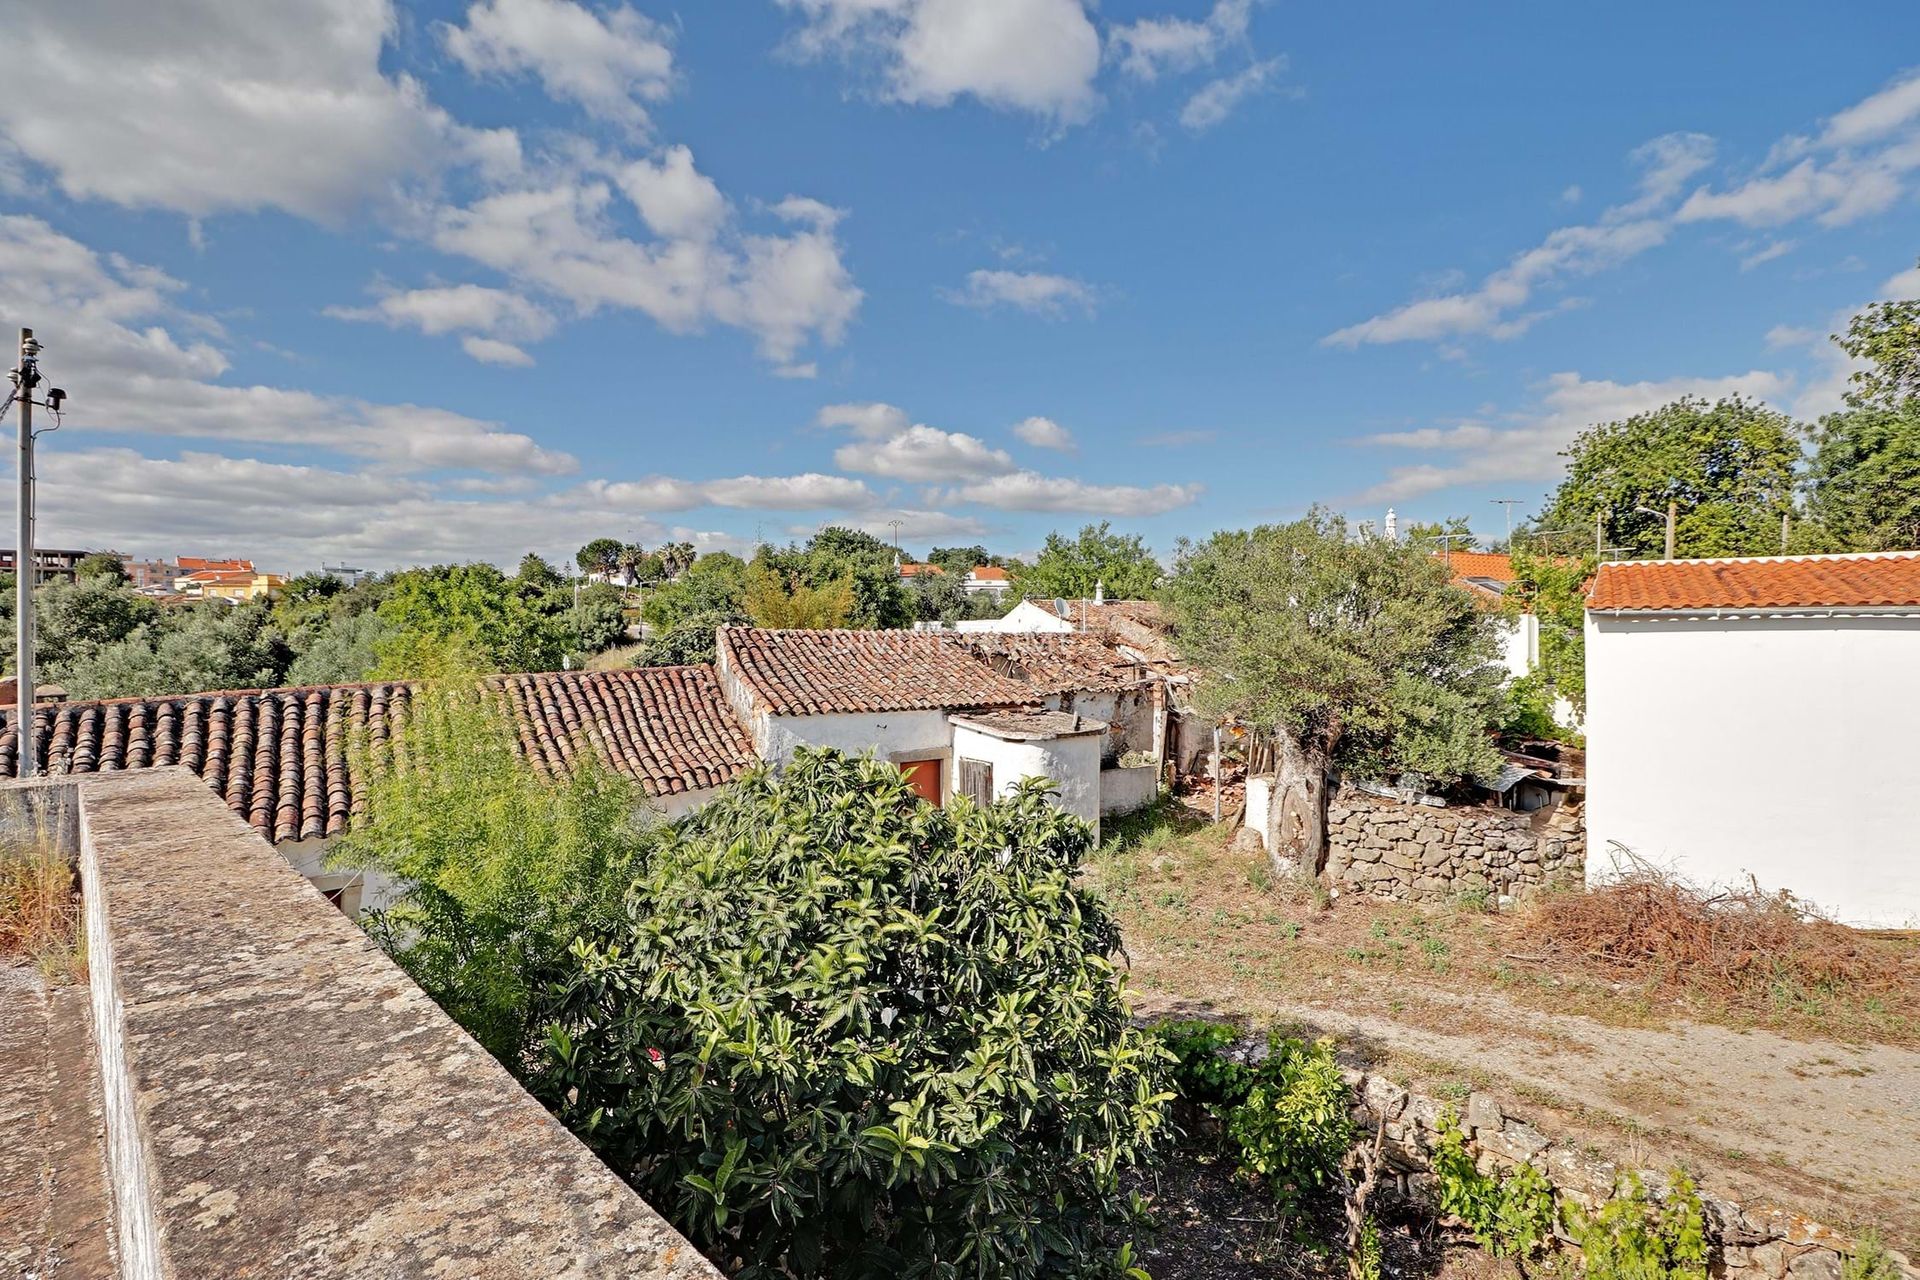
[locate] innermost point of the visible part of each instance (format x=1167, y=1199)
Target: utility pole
x=24, y=378
x=1599, y=536
x=1673, y=515
x=1786, y=527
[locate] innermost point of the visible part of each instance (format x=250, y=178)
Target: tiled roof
x=282, y=758
x=1140, y=625
x=1052, y=661
x=1495, y=565
x=912, y=570
x=825, y=672
x=1032, y=726
x=1889, y=580
x=191, y=564
x=990, y=573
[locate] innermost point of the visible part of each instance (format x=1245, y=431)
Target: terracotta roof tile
x=1496, y=565
x=1888, y=580
x=282, y=758
x=828, y=672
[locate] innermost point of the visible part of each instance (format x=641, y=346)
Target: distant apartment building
x=48, y=564
x=151, y=575
x=231, y=585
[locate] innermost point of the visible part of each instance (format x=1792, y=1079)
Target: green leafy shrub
x=1636, y=1237
x=1511, y=1215
x=1295, y=1127
x=499, y=869
x=1869, y=1261
x=836, y=1032
x=1288, y=1116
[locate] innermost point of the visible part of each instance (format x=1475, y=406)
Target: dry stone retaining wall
x=1763, y=1243
x=1417, y=853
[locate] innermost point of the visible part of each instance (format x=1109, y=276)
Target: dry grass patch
x=1207, y=923
x=1749, y=953
x=39, y=908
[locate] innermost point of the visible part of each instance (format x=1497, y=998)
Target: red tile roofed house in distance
x=895, y=692
x=1755, y=717
x=284, y=759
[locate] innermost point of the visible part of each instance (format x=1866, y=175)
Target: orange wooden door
x=924, y=777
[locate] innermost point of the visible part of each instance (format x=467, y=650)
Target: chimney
x=1392, y=526
x=1099, y=591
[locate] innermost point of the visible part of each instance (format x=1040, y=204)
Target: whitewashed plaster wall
x=1782, y=747
x=1073, y=764
x=890, y=735
x=1025, y=616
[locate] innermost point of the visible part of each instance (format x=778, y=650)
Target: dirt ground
x=1818, y=1112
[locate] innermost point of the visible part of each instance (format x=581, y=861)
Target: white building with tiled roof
x=1757, y=717
x=900, y=694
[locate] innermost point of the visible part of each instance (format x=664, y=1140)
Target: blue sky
x=386, y=283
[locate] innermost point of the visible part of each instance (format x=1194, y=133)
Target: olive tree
x=1353, y=651
x=840, y=1033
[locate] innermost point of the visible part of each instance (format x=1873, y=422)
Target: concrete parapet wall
x=282, y=1101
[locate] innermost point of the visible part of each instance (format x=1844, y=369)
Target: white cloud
x=1527, y=445
x=1035, y=56
x=563, y=237
x=1572, y=195
x=494, y=351
x=610, y=63
x=1030, y=491
x=1218, y=99
x=925, y=454
x=206, y=106
x=1876, y=116
x=871, y=421
x=915, y=526
x=492, y=320
x=1904, y=287
x=1045, y=433
x=1151, y=45
x=1034, y=292
x=104, y=321
x=1766, y=253
x=674, y=198
x=1860, y=163
x=808, y=492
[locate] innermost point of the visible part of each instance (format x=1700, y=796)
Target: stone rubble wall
x=1416, y=853
x=1764, y=1243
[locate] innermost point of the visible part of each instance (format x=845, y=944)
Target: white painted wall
x=1783, y=748
x=890, y=735
x=1125, y=790
x=1072, y=763
x=1025, y=616
x=1519, y=644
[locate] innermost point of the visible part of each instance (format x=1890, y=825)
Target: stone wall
x=1417, y=853
x=1747, y=1243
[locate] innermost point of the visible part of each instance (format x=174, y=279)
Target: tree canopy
x=838, y=1033
x=1729, y=465
x=1070, y=568
x=1356, y=647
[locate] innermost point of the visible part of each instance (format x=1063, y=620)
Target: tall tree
x=1863, y=484
x=1450, y=534
x=1729, y=466
x=1355, y=653
x=601, y=556
x=958, y=561
x=1071, y=568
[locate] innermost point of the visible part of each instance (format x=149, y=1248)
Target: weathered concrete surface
x=306, y=1111
x=55, y=1217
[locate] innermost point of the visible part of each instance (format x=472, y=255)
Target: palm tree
x=676, y=557
x=629, y=560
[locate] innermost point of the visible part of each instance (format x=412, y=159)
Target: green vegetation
x=40, y=907
x=1510, y=1215
x=1870, y=1261
x=1356, y=647
x=1070, y=568
x=1635, y=1236
x=839, y=1033
x=501, y=869
x=1286, y=1116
